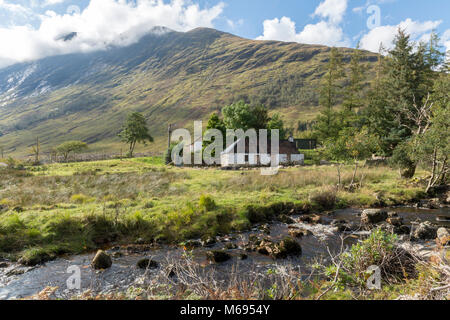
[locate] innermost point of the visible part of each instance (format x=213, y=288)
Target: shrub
x=326, y=198
x=81, y=199
x=207, y=203
x=380, y=250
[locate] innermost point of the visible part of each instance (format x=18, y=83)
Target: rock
x=191, y=244
x=286, y=219
x=208, y=241
x=313, y=219
x=287, y=247
x=140, y=241
x=344, y=226
x=231, y=246
x=147, y=263
x=443, y=237
x=447, y=198
x=434, y=203
x=117, y=254
x=218, y=256
x=243, y=256
x=3, y=265
x=425, y=231
x=392, y=214
x=395, y=221
x=265, y=228
x=101, y=261
x=299, y=233
x=400, y=230
x=373, y=216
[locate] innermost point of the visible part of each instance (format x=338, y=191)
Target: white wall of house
x=298, y=158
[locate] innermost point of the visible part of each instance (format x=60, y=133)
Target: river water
x=20, y=282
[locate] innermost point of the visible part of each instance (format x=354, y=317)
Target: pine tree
x=353, y=96
x=327, y=122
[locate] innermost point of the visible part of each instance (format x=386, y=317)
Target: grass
x=76, y=207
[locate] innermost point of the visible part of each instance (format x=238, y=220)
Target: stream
x=18, y=282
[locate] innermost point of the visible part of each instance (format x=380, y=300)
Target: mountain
x=171, y=77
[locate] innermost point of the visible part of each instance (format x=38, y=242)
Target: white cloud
x=47, y=3
x=386, y=34
x=325, y=32
x=446, y=39
x=101, y=24
x=334, y=10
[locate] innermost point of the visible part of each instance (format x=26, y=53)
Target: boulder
x=299, y=233
x=147, y=263
x=290, y=247
x=231, y=246
x=443, y=237
x=286, y=219
x=101, y=260
x=425, y=231
x=373, y=216
x=208, y=241
x=192, y=244
x=311, y=218
x=217, y=256
x=395, y=221
x=265, y=228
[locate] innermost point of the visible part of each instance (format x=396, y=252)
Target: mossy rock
x=218, y=256
x=101, y=261
x=147, y=263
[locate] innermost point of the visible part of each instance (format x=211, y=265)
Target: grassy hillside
x=171, y=78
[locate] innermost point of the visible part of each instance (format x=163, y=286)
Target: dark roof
x=286, y=147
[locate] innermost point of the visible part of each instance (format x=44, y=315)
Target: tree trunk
x=433, y=172
x=339, y=176
x=354, y=174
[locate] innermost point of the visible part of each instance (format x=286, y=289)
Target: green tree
x=353, y=93
x=276, y=122
x=215, y=122
x=352, y=145
x=432, y=144
x=396, y=101
x=327, y=125
x=135, y=131
x=241, y=115
x=66, y=148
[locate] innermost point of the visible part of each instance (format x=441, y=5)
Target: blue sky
x=31, y=27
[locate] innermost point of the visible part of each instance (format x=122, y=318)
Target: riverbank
x=49, y=211
x=249, y=268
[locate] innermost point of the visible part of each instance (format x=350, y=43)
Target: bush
x=325, y=199
x=207, y=203
x=380, y=250
x=81, y=199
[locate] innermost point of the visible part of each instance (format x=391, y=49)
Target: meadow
x=69, y=208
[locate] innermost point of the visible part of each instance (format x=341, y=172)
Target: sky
x=32, y=29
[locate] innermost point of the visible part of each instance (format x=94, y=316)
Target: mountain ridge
x=172, y=77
